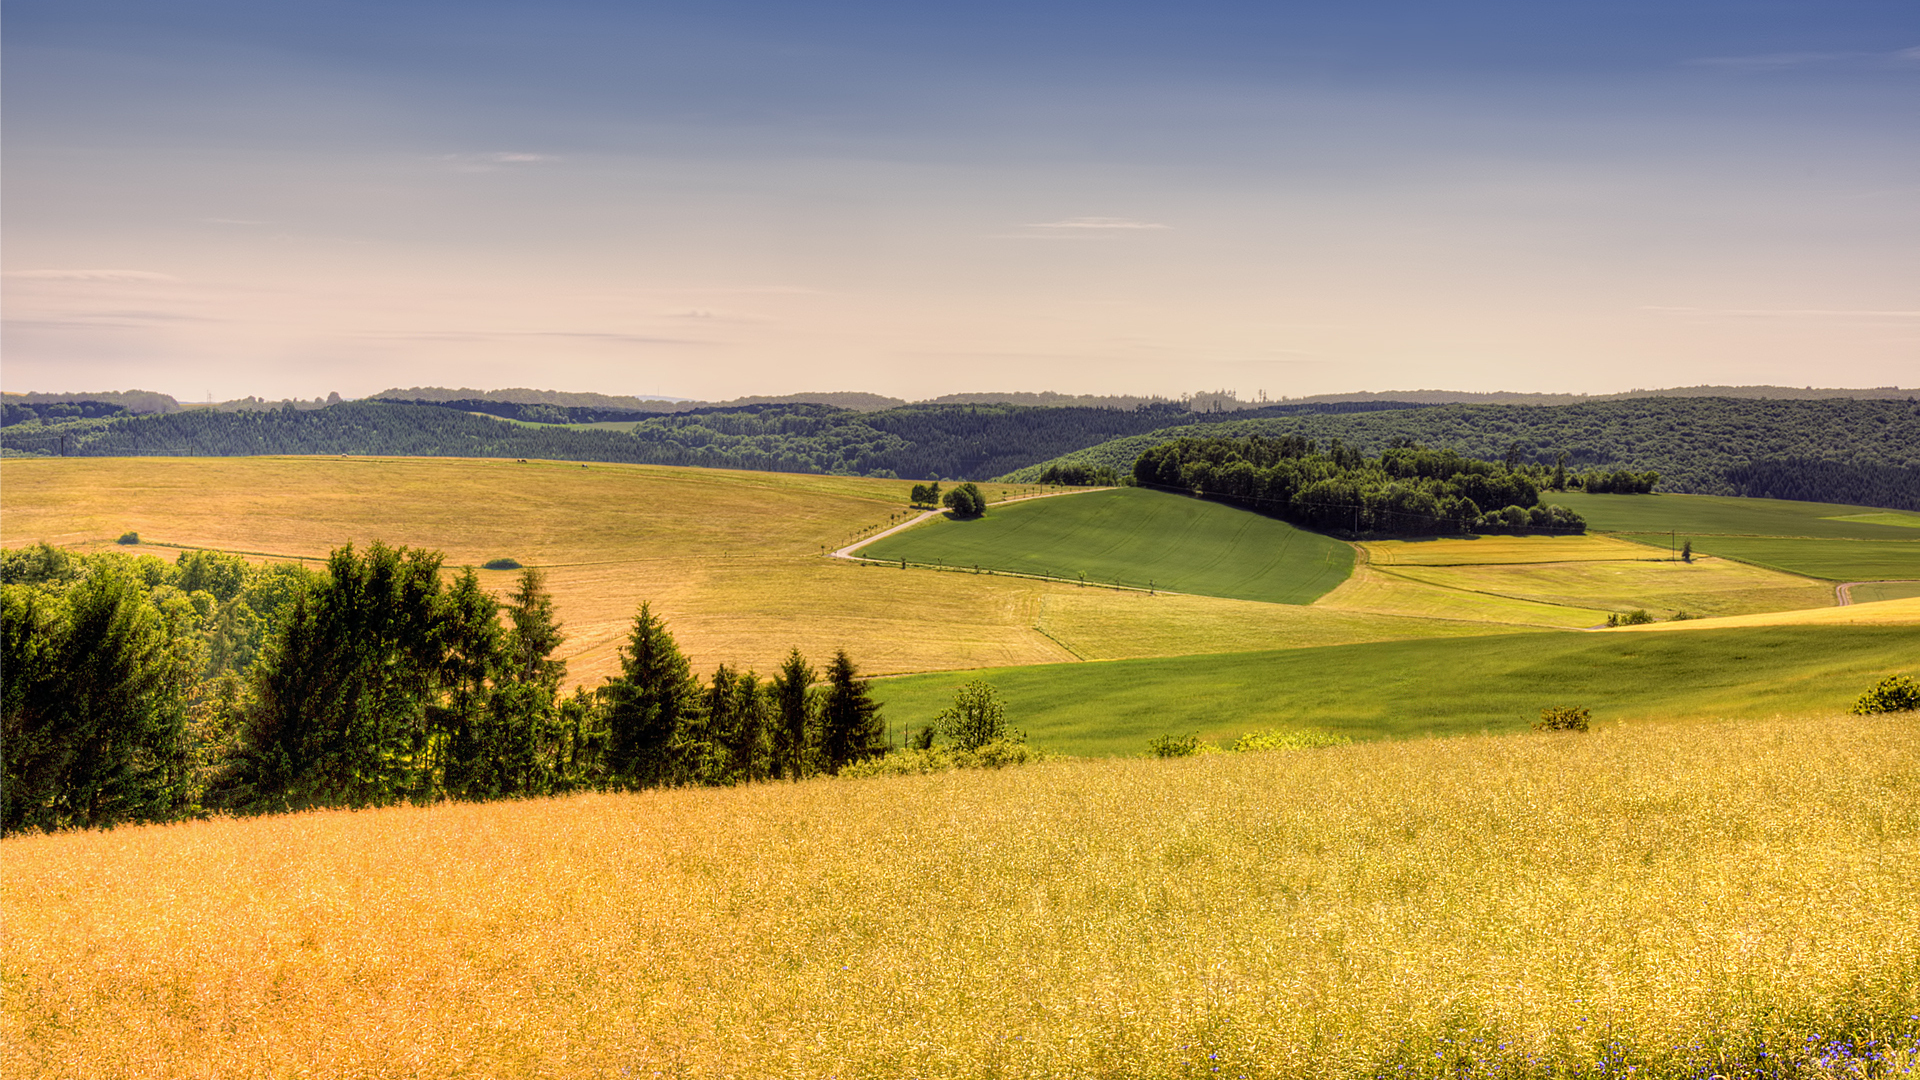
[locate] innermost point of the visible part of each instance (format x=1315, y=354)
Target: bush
x=129, y=538
x=1304, y=739
x=965, y=501
x=1563, y=718
x=500, y=564
x=1896, y=693
x=976, y=718
x=1172, y=746
x=911, y=762
x=1636, y=617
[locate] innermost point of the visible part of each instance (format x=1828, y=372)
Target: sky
x=221, y=198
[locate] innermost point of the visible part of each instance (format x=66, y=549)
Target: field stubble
x=1677, y=898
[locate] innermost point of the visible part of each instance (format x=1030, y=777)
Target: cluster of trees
x=54, y=412
x=141, y=691
x=1615, y=482
x=965, y=500
x=1865, y=452
x=1409, y=489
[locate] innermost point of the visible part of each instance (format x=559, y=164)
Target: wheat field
x=1657, y=900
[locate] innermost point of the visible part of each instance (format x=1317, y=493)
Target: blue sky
x=720, y=199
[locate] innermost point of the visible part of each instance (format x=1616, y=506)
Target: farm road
x=848, y=551
x=1842, y=594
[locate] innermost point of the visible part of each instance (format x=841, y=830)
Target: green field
x=1823, y=540
x=1885, y=590
x=1137, y=537
x=1400, y=689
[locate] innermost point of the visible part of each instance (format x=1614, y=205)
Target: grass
x=1136, y=537
x=1885, y=590
x=1655, y=900
x=1833, y=541
x=1587, y=576
x=1401, y=689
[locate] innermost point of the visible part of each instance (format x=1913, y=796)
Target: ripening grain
x=1678, y=898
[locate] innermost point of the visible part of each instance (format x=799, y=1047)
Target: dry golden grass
x=1562, y=581
x=1673, y=891
x=1900, y=612
x=732, y=559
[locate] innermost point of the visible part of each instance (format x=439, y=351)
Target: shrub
x=919, y=762
x=976, y=718
x=500, y=564
x=129, y=538
x=1304, y=739
x=1896, y=693
x=1171, y=746
x=1636, y=617
x=1563, y=718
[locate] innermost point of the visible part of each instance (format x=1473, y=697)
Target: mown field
x=1721, y=899
x=1139, y=538
x=1403, y=689
x=732, y=559
x=1832, y=541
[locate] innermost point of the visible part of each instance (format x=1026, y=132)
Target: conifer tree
x=850, y=725
x=648, y=704
x=793, y=715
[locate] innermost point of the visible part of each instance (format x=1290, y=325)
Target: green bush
x=976, y=718
x=1172, y=746
x=1563, y=718
x=1304, y=739
x=1896, y=693
x=129, y=538
x=500, y=564
x=1636, y=617
x=994, y=755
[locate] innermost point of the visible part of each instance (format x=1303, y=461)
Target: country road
x=847, y=552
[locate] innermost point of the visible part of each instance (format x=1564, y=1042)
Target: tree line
x=1408, y=490
x=142, y=691
x=1863, y=452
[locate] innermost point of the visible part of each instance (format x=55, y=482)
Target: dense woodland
x=1407, y=490
x=144, y=691
x=917, y=442
x=1864, y=452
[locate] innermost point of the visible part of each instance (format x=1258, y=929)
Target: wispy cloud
x=1789, y=60
x=1096, y=223
x=131, y=276
x=494, y=160
x=575, y=335
x=708, y=315
x=1792, y=313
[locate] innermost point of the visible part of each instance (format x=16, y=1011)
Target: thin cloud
x=1096, y=223
x=1815, y=313
x=138, y=276
x=490, y=162
x=578, y=335
x=1788, y=60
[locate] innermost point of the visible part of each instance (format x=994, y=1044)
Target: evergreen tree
x=793, y=715
x=850, y=725
x=654, y=697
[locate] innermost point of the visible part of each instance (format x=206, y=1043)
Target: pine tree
x=850, y=725
x=793, y=712
x=654, y=697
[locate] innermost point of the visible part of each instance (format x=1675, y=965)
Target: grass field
x=1401, y=689
x=1885, y=590
x=1654, y=900
x=1138, y=537
x=732, y=559
x=1833, y=541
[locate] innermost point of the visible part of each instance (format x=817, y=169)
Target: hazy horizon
x=712, y=201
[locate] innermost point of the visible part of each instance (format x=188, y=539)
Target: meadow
x=1657, y=900
x=1139, y=538
x=1407, y=689
x=1832, y=541
x=731, y=559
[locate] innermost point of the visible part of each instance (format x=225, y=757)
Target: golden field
x=732, y=559
x=1675, y=898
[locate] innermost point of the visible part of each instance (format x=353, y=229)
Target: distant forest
x=915, y=442
x=1865, y=452
x=1850, y=450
